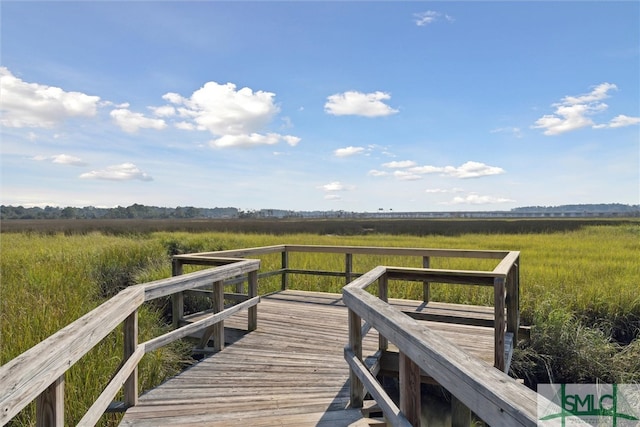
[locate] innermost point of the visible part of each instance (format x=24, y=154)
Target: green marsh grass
x=580, y=288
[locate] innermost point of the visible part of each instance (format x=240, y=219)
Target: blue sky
x=356, y=106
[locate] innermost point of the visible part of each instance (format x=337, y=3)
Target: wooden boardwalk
x=291, y=370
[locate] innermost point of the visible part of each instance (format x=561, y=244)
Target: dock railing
x=489, y=393
x=504, y=278
x=39, y=373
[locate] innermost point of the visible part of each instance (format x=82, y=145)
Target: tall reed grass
x=579, y=287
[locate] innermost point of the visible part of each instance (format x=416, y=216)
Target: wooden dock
x=290, y=371
x=296, y=358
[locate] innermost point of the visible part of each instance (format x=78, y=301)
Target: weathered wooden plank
x=373, y=250
x=409, y=380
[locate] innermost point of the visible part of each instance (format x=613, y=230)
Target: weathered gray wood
x=490, y=393
x=410, y=402
x=373, y=250
x=130, y=347
x=177, y=299
x=217, y=329
x=285, y=267
x=172, y=285
x=513, y=300
x=50, y=405
x=426, y=287
x=100, y=405
x=348, y=267
x=355, y=345
x=252, y=322
x=462, y=277
x=388, y=407
x=499, y=326
x=191, y=328
x=503, y=267
x=383, y=294
x=25, y=377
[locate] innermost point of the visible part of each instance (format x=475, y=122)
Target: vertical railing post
x=499, y=322
x=253, y=292
x=285, y=268
x=426, y=286
x=217, y=298
x=177, y=299
x=130, y=345
x=348, y=267
x=410, y=401
x=355, y=343
x=383, y=294
x=50, y=405
x=513, y=300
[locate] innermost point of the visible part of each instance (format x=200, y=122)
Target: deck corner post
x=177, y=299
x=410, y=401
x=253, y=292
x=130, y=345
x=285, y=269
x=348, y=267
x=50, y=405
x=499, y=322
x=426, y=286
x=355, y=343
x=513, y=300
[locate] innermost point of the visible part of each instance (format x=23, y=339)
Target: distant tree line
x=135, y=211
x=138, y=211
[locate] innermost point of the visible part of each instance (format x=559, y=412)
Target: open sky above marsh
x=320, y=105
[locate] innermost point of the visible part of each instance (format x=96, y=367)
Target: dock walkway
x=290, y=371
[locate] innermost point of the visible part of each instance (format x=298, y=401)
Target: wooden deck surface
x=288, y=372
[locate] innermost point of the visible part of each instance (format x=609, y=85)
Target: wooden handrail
x=42, y=367
x=491, y=394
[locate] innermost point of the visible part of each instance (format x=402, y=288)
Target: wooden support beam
x=50, y=405
x=383, y=294
x=426, y=286
x=253, y=292
x=285, y=267
x=355, y=345
x=348, y=267
x=130, y=346
x=177, y=299
x=410, y=403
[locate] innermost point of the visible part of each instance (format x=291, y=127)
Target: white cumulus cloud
x=122, y=172
x=236, y=117
x=25, y=104
x=359, y=104
x=131, y=122
x=574, y=112
x=348, y=151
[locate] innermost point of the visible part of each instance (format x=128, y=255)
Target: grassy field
x=579, y=286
